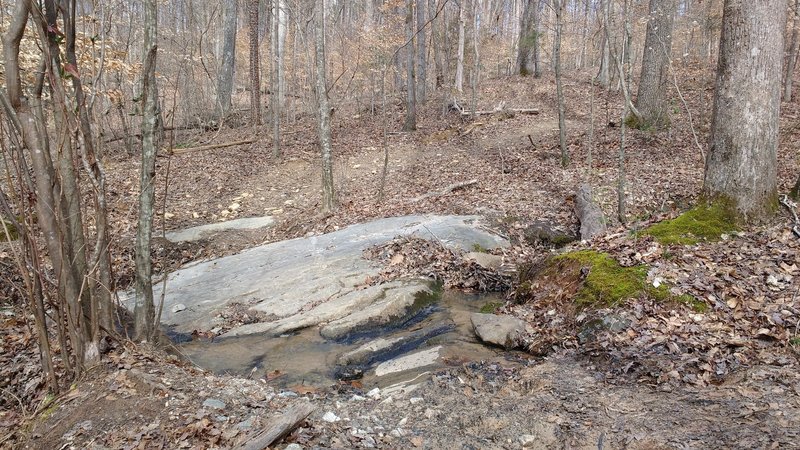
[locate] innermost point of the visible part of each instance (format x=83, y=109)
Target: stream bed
x=439, y=335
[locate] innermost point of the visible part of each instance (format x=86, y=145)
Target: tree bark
x=528, y=38
x=144, y=309
x=604, y=73
x=228, y=59
x=558, y=5
x=459, y=82
x=411, y=98
x=741, y=168
x=422, y=52
x=323, y=110
x=275, y=91
x=651, y=101
x=791, y=60
x=255, y=63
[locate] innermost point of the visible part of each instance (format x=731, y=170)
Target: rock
x=378, y=349
x=374, y=394
x=178, y=308
x=527, y=440
x=214, y=403
x=408, y=362
x=293, y=446
x=505, y=331
x=542, y=232
x=330, y=417
x=485, y=260
x=397, y=303
x=302, y=282
x=204, y=231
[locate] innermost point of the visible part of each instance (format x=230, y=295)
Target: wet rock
x=408, y=362
x=485, y=260
x=396, y=304
x=505, y=331
x=542, y=232
x=214, y=403
x=382, y=349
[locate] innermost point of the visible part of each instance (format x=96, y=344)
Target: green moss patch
x=605, y=282
x=702, y=223
x=591, y=279
x=490, y=307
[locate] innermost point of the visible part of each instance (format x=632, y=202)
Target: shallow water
x=305, y=358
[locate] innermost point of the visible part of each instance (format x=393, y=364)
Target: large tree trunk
x=144, y=309
x=411, y=98
x=324, y=109
x=421, y=53
x=741, y=168
x=228, y=58
x=651, y=101
x=791, y=60
x=459, y=83
x=255, y=64
x=437, y=41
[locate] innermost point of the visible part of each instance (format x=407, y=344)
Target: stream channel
x=439, y=334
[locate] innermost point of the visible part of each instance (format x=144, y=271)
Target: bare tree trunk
x=275, y=90
x=528, y=38
x=228, y=59
x=537, y=25
x=603, y=75
x=421, y=53
x=411, y=98
x=255, y=64
x=651, y=101
x=791, y=60
x=324, y=110
x=741, y=168
x=558, y=5
x=459, y=83
x=437, y=41
x=144, y=309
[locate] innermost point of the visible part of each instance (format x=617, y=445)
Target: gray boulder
x=504, y=331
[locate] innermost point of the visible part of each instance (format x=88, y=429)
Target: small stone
x=415, y=400
x=234, y=206
x=402, y=422
x=397, y=433
x=374, y=394
x=214, y=403
x=357, y=398
x=178, y=308
x=288, y=394
x=527, y=440
x=331, y=417
x=245, y=424
x=293, y=446
x=429, y=413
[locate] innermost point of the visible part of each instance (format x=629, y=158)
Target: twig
x=791, y=206
x=446, y=190
x=181, y=151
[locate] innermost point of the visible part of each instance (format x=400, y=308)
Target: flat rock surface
x=204, y=231
x=307, y=281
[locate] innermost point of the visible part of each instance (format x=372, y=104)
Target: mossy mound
x=702, y=223
x=595, y=279
x=605, y=282
x=490, y=307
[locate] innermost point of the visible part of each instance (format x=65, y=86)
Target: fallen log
x=181, y=151
x=589, y=213
x=446, y=190
x=279, y=427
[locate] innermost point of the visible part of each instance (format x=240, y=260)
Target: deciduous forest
x=428, y=224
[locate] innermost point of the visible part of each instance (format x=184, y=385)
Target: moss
x=490, y=307
x=702, y=223
x=12, y=230
x=606, y=282
x=479, y=248
x=795, y=341
x=689, y=300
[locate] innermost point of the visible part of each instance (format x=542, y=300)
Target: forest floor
x=725, y=376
